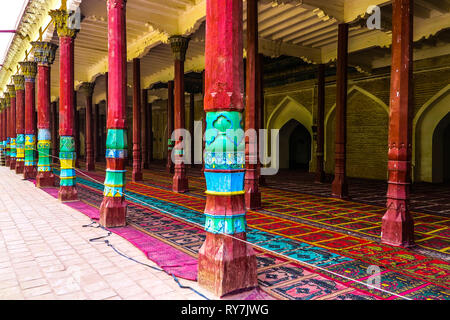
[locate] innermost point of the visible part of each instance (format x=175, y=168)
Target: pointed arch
x=425, y=123
x=350, y=91
x=288, y=109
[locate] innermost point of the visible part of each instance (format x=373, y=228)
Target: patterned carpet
x=286, y=213
x=305, y=261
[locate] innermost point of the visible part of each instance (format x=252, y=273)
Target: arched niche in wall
x=429, y=126
x=367, y=135
x=288, y=109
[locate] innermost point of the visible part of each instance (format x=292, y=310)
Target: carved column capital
x=29, y=70
x=2, y=104
x=179, y=45
x=44, y=52
x=11, y=90
x=19, y=82
x=61, y=21
x=7, y=97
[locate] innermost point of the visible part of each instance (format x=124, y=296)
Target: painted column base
x=180, y=182
x=29, y=172
x=339, y=187
x=45, y=179
x=136, y=176
x=67, y=193
x=19, y=167
x=7, y=161
x=113, y=212
x=12, y=164
x=226, y=265
x=397, y=227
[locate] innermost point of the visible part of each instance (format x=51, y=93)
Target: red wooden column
x=339, y=187
x=170, y=126
x=12, y=132
x=76, y=125
x=137, y=165
x=44, y=56
x=54, y=133
x=179, y=46
x=397, y=224
x=113, y=208
x=150, y=132
x=19, y=83
x=260, y=108
x=2, y=131
x=29, y=70
x=320, y=174
x=145, y=129
x=252, y=193
x=203, y=119
x=67, y=132
x=225, y=264
x=8, y=128
x=191, y=124
x=96, y=134
x=87, y=88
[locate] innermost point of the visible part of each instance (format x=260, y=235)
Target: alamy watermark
x=269, y=164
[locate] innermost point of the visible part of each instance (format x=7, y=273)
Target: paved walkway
x=45, y=253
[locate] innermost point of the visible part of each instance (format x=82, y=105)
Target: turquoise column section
x=225, y=167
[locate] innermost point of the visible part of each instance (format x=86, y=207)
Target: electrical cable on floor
x=145, y=204
x=134, y=260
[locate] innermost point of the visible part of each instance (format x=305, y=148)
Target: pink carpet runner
x=166, y=257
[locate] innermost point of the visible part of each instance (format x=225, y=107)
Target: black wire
x=129, y=258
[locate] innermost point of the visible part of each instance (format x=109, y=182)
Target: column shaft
x=88, y=89
x=12, y=133
x=96, y=134
x=170, y=127
x=150, y=133
x=145, y=129
x=320, y=174
x=137, y=165
x=252, y=193
x=191, y=124
x=339, y=187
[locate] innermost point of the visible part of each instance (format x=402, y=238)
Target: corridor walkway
x=45, y=253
